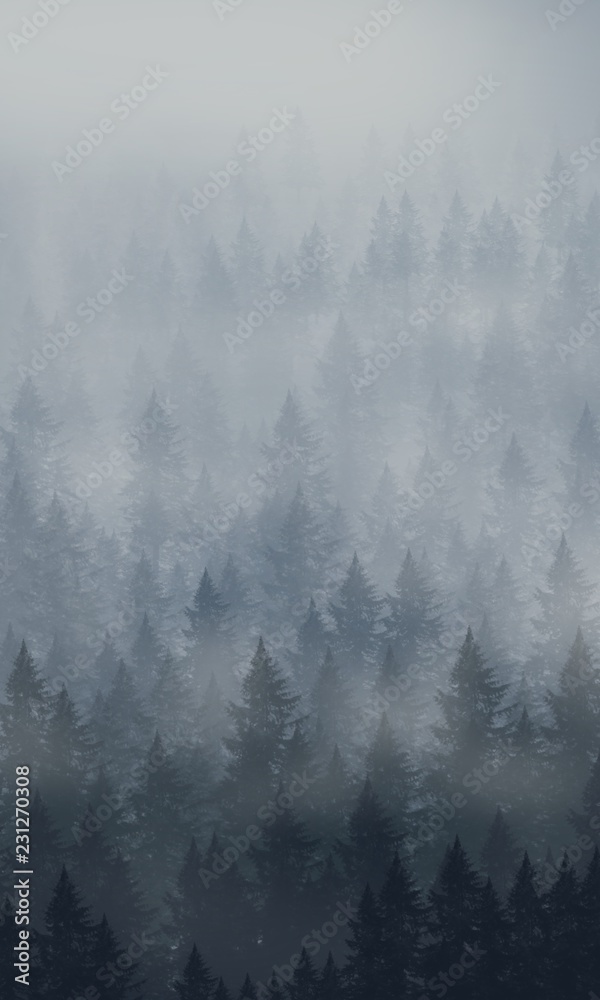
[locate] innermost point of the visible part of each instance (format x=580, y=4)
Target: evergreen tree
x=526, y=977
x=370, y=840
x=261, y=723
x=575, y=707
x=471, y=711
x=566, y=602
x=209, y=631
x=391, y=772
x=67, y=948
x=24, y=717
x=499, y=854
x=414, y=620
x=356, y=614
x=364, y=974
x=403, y=919
x=197, y=982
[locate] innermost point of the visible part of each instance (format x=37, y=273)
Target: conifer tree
x=414, y=620
x=370, y=842
x=197, y=982
x=24, y=717
x=261, y=726
x=356, y=613
x=67, y=948
x=499, y=854
x=567, y=602
x=471, y=711
x=209, y=631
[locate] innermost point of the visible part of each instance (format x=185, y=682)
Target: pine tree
x=209, y=632
x=197, y=982
x=311, y=644
x=370, y=840
x=567, y=602
x=514, y=496
x=159, y=817
x=392, y=773
x=575, y=707
x=527, y=935
x=24, y=717
x=589, y=919
x=356, y=614
x=305, y=981
x=153, y=495
x=471, y=710
x=283, y=857
x=414, y=620
x=247, y=267
x=490, y=973
x=72, y=753
x=403, y=918
x=563, y=938
x=364, y=974
x=454, y=907
x=261, y=723
x=499, y=854
x=332, y=706
x=147, y=654
x=296, y=449
x=49, y=854
x=330, y=981
x=67, y=949
x=110, y=961
x=121, y=723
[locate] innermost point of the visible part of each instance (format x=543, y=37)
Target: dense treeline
x=318, y=694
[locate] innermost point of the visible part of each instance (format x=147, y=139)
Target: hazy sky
x=232, y=71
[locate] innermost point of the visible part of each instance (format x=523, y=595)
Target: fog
x=299, y=483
